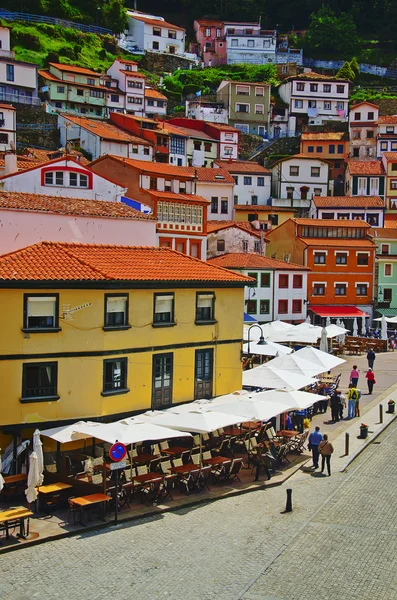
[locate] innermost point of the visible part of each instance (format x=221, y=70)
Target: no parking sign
x=117, y=452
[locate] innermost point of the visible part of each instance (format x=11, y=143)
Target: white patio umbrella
x=69, y=433
x=363, y=326
x=383, y=331
x=295, y=364
x=324, y=340
x=206, y=405
x=266, y=349
x=38, y=448
x=295, y=336
x=388, y=319
x=263, y=377
x=33, y=478
x=355, y=327
x=1, y=477
x=133, y=430
x=323, y=359
x=198, y=420
x=335, y=331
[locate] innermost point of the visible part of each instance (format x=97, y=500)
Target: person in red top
x=370, y=380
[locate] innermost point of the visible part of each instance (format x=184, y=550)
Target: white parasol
x=38, y=448
x=1, y=477
x=266, y=349
x=33, y=478
x=324, y=340
x=384, y=328
x=363, y=326
x=355, y=327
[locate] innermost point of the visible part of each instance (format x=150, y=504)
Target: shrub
x=26, y=40
x=109, y=44
x=52, y=57
x=102, y=54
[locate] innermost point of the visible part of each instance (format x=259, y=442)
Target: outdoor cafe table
x=146, y=477
x=287, y=434
x=175, y=450
x=185, y=469
x=54, y=488
x=15, y=478
x=90, y=500
x=142, y=459
x=216, y=460
x=232, y=431
x=8, y=517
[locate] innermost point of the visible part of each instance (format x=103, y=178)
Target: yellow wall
x=242, y=215
x=80, y=379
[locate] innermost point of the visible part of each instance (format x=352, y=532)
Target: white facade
x=228, y=144
x=363, y=123
x=387, y=136
x=151, y=33
x=234, y=239
x=253, y=188
x=63, y=177
x=300, y=178
x=249, y=44
x=209, y=112
x=8, y=128
x=155, y=103
x=320, y=99
x=371, y=214
x=18, y=80
x=221, y=197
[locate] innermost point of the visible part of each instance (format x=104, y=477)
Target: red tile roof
x=69, y=206
x=205, y=175
x=154, y=22
x=387, y=120
x=242, y=166
x=132, y=73
x=317, y=137
x=332, y=223
x=150, y=93
x=224, y=127
x=215, y=226
x=365, y=167
x=8, y=106
x=23, y=162
x=389, y=233
x=105, y=130
x=51, y=77
x=249, y=260
x=197, y=134
x=172, y=129
x=364, y=102
x=55, y=261
x=390, y=155
x=300, y=155
x=260, y=208
x=124, y=61
x=74, y=69
x=390, y=220
x=348, y=201
x=40, y=155
x=178, y=197
x=330, y=242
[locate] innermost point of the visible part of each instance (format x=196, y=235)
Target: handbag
x=309, y=446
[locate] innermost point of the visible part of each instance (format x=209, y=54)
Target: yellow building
x=99, y=332
x=273, y=215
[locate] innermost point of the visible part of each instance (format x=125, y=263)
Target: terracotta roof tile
x=365, y=167
x=387, y=120
x=40, y=155
x=224, y=127
x=348, y=201
x=178, y=197
x=390, y=155
x=301, y=155
x=259, y=208
x=334, y=135
x=387, y=233
x=132, y=73
x=364, y=102
x=150, y=93
x=212, y=175
x=69, y=206
x=214, y=226
x=55, y=261
x=7, y=106
x=199, y=135
x=331, y=242
x=242, y=166
x=105, y=130
x=74, y=69
x=332, y=223
x=124, y=61
x=51, y=77
x=390, y=220
x=249, y=260
x=23, y=162
x=154, y=22
x=172, y=129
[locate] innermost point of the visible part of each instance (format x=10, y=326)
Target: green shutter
x=355, y=186
x=381, y=186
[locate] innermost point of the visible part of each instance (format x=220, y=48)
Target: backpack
x=353, y=394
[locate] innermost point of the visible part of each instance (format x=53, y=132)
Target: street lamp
x=261, y=339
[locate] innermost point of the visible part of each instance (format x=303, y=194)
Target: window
x=207, y=146
x=340, y=289
x=259, y=109
x=251, y=43
x=296, y=306
x=318, y=289
x=371, y=116
x=282, y=307
x=10, y=72
x=114, y=98
x=317, y=191
x=205, y=307
x=325, y=215
x=389, y=129
x=361, y=289
x=362, y=259
x=340, y=106
x=162, y=369
x=315, y=171
x=243, y=90
x=197, y=145
x=214, y=205
x=327, y=88
x=78, y=180
x=224, y=206
x=234, y=42
x=135, y=84
x=157, y=31
x=300, y=87
x=327, y=105
x=247, y=180
x=155, y=45
x=218, y=33
x=163, y=309
x=220, y=245
x=115, y=376
x=383, y=146
x=252, y=307
x=290, y=193
x=319, y=258
x=265, y=280
x=264, y=307
x=340, y=89
x=204, y=367
x=393, y=146
x=298, y=103
x=261, y=181
x=53, y=178
x=90, y=81
x=257, y=246
x=312, y=104
x=387, y=294
x=259, y=91
x=80, y=92
x=294, y=171
x=41, y=312
x=385, y=248
x=310, y=149
x=356, y=134
x=254, y=200
x=60, y=89
x=245, y=245
x=39, y=381
x=331, y=149
x=340, y=148
x=116, y=311
x=135, y=100
x=243, y=108
x=319, y=149
x=370, y=134
x=314, y=87
x=341, y=258
x=387, y=270
x=172, y=34
x=283, y=281
x=298, y=282
x=253, y=276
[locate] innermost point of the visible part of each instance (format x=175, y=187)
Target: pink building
x=210, y=36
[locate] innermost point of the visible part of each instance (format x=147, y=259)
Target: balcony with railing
x=7, y=54
x=18, y=98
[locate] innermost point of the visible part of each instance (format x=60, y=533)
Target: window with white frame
x=259, y=91
x=163, y=309
x=340, y=289
x=242, y=108
x=259, y=109
x=327, y=105
x=361, y=289
x=41, y=312
x=243, y=90
x=318, y=289
x=294, y=171
x=251, y=44
x=234, y=42
x=78, y=180
x=374, y=186
x=116, y=310
x=362, y=186
x=53, y=178
x=298, y=103
x=205, y=307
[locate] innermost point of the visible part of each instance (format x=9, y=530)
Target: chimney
x=10, y=162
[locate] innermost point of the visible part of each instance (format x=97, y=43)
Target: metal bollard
x=288, y=506
x=347, y=442
x=380, y=413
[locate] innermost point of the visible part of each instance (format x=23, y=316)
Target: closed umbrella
x=328, y=322
x=263, y=377
x=363, y=326
x=308, y=319
x=342, y=335
x=33, y=478
x=383, y=331
x=38, y=448
x=355, y=327
x=324, y=340
x=1, y=477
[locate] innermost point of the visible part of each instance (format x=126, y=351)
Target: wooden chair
x=165, y=466
x=167, y=486
x=235, y=467
x=150, y=492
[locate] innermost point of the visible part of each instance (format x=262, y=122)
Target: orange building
x=341, y=256
x=332, y=146
x=145, y=128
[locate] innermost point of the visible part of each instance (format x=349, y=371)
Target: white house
x=300, y=177
x=155, y=103
x=366, y=208
x=99, y=138
x=216, y=185
x=363, y=128
x=234, y=236
x=280, y=291
x=64, y=177
x=252, y=181
x=316, y=98
x=211, y=112
x=27, y=219
x=387, y=135
x=152, y=33
x=131, y=83
x=8, y=128
x=18, y=80
x=248, y=43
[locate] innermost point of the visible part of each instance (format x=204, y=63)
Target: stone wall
x=164, y=63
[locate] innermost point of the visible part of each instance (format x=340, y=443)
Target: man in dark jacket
x=335, y=407
x=371, y=359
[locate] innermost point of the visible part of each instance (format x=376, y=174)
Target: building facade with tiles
x=102, y=332
x=252, y=181
x=365, y=178
x=366, y=208
x=386, y=266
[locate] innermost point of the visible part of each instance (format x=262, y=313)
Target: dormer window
x=54, y=178
x=78, y=180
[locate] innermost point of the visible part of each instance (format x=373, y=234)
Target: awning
x=249, y=319
x=338, y=311
x=387, y=312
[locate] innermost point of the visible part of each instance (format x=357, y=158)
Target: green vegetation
x=328, y=32
x=361, y=94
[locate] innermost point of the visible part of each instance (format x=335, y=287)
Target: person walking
x=342, y=404
x=370, y=380
x=352, y=397
x=371, y=359
x=325, y=448
x=314, y=440
x=335, y=407
x=354, y=375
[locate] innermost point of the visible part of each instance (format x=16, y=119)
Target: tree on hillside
x=114, y=16
x=332, y=34
x=346, y=72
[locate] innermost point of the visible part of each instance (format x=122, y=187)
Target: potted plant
x=391, y=405
x=363, y=431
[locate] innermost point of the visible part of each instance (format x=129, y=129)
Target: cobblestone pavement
x=340, y=542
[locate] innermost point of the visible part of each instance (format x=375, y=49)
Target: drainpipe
x=274, y=292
